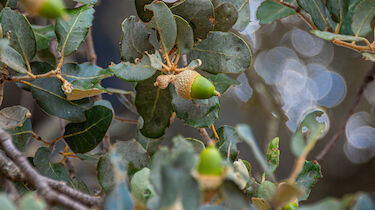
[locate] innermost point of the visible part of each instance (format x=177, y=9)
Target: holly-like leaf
x=135, y=40
x=331, y=36
x=185, y=36
x=363, y=15
x=270, y=11
x=338, y=9
x=196, y=113
x=31, y=201
x=310, y=130
x=243, y=10
x=55, y=171
x=228, y=139
x=71, y=31
x=143, y=14
x=317, y=11
x=141, y=187
x=16, y=121
x=222, y=82
x=222, y=52
x=308, y=177
x=11, y=57
x=273, y=154
x=199, y=14
x=84, y=137
x=85, y=80
x=51, y=98
x=134, y=72
x=154, y=105
x=43, y=35
x=163, y=21
x=22, y=37
x=226, y=16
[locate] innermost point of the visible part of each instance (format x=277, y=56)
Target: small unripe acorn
x=210, y=162
x=45, y=8
x=290, y=206
x=190, y=84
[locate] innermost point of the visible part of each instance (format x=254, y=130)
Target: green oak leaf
x=55, y=171
x=270, y=11
x=85, y=136
x=222, y=52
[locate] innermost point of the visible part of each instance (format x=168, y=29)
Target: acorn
x=45, y=8
x=191, y=85
x=210, y=162
x=290, y=206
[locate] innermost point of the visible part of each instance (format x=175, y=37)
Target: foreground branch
x=368, y=78
x=41, y=183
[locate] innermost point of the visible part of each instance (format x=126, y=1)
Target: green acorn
x=210, y=162
x=191, y=85
x=290, y=206
x=45, y=8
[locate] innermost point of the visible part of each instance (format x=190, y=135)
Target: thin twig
x=135, y=122
x=31, y=176
x=205, y=137
x=368, y=78
x=91, y=54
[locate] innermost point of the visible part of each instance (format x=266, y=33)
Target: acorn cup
x=45, y=8
x=191, y=85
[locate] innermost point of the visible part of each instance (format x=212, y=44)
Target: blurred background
x=293, y=72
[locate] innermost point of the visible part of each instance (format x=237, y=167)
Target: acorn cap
x=183, y=83
x=32, y=6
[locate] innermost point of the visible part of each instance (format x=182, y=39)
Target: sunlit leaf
x=6, y=203
x=222, y=52
x=369, y=57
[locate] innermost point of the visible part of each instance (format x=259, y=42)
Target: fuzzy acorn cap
x=183, y=83
x=32, y=6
